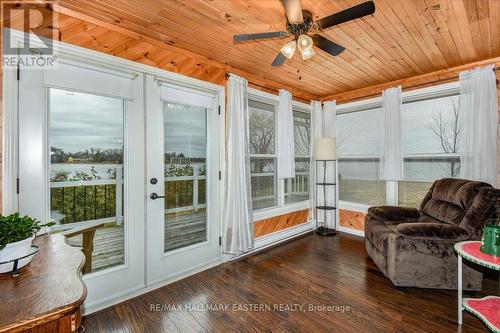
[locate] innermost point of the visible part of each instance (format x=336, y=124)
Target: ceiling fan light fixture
x=289, y=49
x=304, y=42
x=307, y=53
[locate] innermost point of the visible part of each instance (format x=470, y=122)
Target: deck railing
x=87, y=200
x=91, y=200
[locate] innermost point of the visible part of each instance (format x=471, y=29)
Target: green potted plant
x=16, y=234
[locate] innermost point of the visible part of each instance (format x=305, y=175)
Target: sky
x=185, y=129
x=80, y=121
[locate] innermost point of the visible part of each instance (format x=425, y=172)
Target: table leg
x=459, y=290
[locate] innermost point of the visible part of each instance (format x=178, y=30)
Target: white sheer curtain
x=316, y=132
x=238, y=234
x=323, y=124
x=479, y=121
x=391, y=159
x=286, y=142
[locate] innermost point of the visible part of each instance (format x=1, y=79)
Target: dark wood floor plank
x=312, y=270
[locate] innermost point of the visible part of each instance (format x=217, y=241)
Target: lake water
x=418, y=171
x=101, y=169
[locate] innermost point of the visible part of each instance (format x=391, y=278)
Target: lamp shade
x=325, y=149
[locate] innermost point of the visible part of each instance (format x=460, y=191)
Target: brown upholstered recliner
x=414, y=248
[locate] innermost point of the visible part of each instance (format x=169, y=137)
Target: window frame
x=426, y=93
x=298, y=109
x=280, y=207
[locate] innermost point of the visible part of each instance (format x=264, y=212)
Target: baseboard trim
x=277, y=238
x=356, y=232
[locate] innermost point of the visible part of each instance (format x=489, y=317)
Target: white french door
x=183, y=156
x=127, y=167
x=81, y=153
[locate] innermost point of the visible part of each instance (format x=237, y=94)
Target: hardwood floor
x=312, y=270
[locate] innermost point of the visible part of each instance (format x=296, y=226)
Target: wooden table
x=48, y=293
x=487, y=308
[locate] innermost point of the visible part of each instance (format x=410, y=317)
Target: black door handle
x=155, y=196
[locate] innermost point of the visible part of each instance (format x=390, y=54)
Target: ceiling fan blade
x=363, y=9
x=327, y=45
x=293, y=11
x=262, y=35
x=279, y=60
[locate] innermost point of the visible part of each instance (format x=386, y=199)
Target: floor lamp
x=325, y=154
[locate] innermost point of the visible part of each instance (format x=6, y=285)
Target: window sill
x=354, y=206
x=266, y=213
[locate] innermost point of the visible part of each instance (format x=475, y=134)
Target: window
x=267, y=190
x=430, y=140
x=262, y=154
x=297, y=189
x=431, y=135
x=358, y=161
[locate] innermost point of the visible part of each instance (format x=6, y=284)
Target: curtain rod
x=496, y=68
x=261, y=86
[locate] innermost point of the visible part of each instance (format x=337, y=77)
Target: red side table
x=487, y=308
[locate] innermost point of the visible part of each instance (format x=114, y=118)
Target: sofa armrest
x=393, y=213
x=432, y=231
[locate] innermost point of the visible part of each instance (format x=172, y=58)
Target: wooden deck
x=180, y=231
x=185, y=230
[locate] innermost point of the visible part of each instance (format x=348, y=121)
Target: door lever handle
x=155, y=196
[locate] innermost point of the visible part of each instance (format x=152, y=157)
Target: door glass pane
x=185, y=147
x=86, y=174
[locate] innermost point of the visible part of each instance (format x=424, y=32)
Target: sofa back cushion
x=485, y=209
x=449, y=200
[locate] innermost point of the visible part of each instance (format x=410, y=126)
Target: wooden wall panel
x=277, y=223
x=353, y=220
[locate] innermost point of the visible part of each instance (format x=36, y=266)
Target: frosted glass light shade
x=304, y=42
x=289, y=49
x=308, y=53
x=325, y=149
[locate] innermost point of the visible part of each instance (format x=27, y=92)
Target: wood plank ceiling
x=402, y=39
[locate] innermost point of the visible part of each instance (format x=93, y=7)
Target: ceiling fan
x=300, y=22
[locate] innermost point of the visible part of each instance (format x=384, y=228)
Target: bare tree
x=261, y=126
x=446, y=127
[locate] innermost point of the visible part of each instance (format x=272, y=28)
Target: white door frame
x=11, y=145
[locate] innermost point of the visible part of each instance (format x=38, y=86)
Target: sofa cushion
x=393, y=213
x=444, y=211
x=432, y=231
x=484, y=209
x=450, y=199
x=377, y=232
